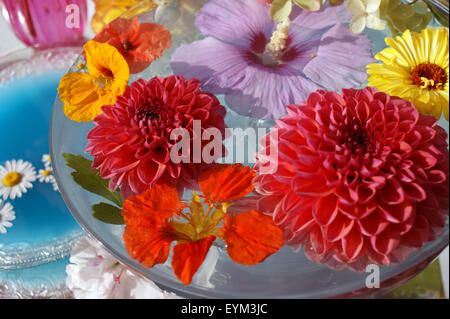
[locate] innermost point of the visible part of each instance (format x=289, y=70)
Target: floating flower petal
x=251, y=237
x=226, y=182
x=189, y=256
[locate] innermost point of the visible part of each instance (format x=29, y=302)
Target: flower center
x=359, y=143
x=275, y=48
x=152, y=111
x=127, y=45
x=12, y=179
x=103, y=85
x=429, y=76
x=46, y=173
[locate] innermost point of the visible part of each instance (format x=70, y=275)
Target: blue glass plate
x=43, y=230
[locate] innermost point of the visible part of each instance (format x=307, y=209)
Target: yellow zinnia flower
x=415, y=68
x=83, y=94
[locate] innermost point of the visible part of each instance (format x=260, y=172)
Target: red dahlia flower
x=131, y=142
x=362, y=178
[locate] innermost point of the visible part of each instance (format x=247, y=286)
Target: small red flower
x=152, y=226
x=139, y=43
x=131, y=142
x=362, y=178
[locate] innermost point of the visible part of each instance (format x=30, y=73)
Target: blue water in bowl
x=25, y=111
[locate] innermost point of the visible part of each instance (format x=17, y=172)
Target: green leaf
x=90, y=179
x=108, y=214
x=280, y=10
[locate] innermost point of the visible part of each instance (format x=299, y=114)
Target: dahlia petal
x=251, y=237
x=266, y=184
x=392, y=193
x=352, y=244
x=365, y=193
x=325, y=210
x=372, y=225
x=189, y=256
x=418, y=235
x=267, y=204
x=303, y=222
x=374, y=256
x=311, y=187
x=331, y=67
x=414, y=192
x=318, y=243
x=339, y=228
x=436, y=177
x=149, y=172
x=436, y=220
x=358, y=211
x=385, y=242
x=423, y=159
x=404, y=227
x=396, y=213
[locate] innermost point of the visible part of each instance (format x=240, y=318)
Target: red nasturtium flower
x=139, y=43
x=157, y=218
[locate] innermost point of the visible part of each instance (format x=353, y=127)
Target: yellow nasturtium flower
x=83, y=94
x=415, y=67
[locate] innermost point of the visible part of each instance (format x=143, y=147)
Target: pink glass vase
x=46, y=23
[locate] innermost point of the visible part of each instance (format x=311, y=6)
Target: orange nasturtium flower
x=83, y=94
x=157, y=218
x=139, y=43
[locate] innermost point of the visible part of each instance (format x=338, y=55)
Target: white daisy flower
x=55, y=185
x=47, y=161
x=6, y=216
x=45, y=175
x=15, y=178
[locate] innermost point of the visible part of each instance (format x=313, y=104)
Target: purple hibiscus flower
x=320, y=53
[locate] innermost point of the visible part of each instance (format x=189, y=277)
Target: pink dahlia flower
x=362, y=178
x=131, y=142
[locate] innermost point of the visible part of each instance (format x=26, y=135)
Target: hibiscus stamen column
x=274, y=49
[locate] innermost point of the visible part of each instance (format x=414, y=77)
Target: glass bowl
x=286, y=274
